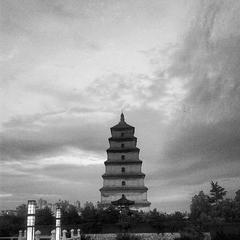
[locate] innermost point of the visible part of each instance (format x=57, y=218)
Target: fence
x=63, y=236
x=76, y=235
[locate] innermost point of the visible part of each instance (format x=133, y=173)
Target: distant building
x=123, y=173
x=8, y=212
x=77, y=204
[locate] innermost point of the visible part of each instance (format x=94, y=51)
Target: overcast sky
x=68, y=68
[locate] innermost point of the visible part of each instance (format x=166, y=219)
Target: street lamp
x=58, y=224
x=31, y=209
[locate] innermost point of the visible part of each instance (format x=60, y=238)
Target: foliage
x=200, y=206
x=217, y=192
x=126, y=236
x=223, y=236
x=44, y=217
x=205, y=209
x=108, y=216
x=22, y=210
x=10, y=225
x=156, y=220
x=214, y=208
x=84, y=237
x=163, y=222
x=70, y=216
x=192, y=233
x=237, y=197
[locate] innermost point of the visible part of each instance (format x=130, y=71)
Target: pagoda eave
x=124, y=189
x=122, y=150
x=122, y=139
x=122, y=125
x=108, y=162
x=129, y=176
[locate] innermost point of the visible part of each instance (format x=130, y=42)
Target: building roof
x=122, y=125
x=123, y=201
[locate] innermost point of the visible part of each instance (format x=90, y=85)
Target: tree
x=237, y=197
x=90, y=218
x=109, y=215
x=64, y=205
x=44, y=217
x=217, y=193
x=156, y=220
x=22, y=210
x=70, y=216
x=200, y=204
x=10, y=225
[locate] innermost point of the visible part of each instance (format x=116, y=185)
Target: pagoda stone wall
x=118, y=156
x=118, y=182
x=128, y=169
x=127, y=144
x=127, y=133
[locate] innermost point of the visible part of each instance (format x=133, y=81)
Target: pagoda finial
x=122, y=117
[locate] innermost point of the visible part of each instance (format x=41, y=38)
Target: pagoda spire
x=122, y=118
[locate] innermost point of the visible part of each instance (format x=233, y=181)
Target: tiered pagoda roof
x=122, y=125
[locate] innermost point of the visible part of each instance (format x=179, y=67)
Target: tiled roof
x=122, y=125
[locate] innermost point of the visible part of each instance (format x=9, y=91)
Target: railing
x=38, y=236
x=8, y=238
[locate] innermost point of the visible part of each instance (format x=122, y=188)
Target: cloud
x=51, y=134
x=3, y=195
x=208, y=63
x=50, y=181
x=202, y=135
x=69, y=70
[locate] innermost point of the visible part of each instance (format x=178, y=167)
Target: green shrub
x=84, y=237
x=126, y=236
x=191, y=233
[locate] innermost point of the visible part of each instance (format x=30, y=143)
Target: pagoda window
x=122, y=134
x=123, y=183
x=123, y=169
x=122, y=145
x=123, y=157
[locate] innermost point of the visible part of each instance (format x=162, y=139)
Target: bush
x=222, y=236
x=84, y=237
x=191, y=233
x=126, y=236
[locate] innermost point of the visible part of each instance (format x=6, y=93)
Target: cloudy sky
x=68, y=68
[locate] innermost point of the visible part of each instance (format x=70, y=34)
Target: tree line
x=205, y=209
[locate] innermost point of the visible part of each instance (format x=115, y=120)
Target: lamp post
x=31, y=209
x=58, y=224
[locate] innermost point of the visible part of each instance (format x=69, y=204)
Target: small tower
x=123, y=173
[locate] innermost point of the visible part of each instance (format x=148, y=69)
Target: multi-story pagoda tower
x=123, y=173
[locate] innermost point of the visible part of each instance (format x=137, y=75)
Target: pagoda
x=123, y=175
